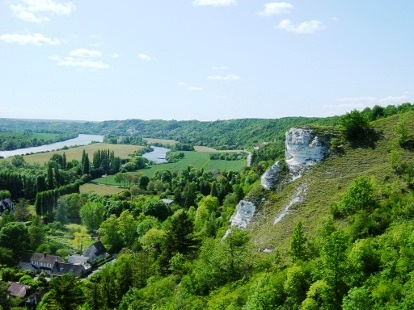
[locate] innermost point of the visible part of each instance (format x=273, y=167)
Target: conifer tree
x=298, y=243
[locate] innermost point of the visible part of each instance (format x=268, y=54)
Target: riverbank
x=82, y=139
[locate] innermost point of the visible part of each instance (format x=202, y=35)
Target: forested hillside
x=222, y=134
x=346, y=243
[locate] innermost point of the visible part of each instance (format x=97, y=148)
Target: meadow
x=196, y=160
x=100, y=189
x=75, y=153
x=160, y=141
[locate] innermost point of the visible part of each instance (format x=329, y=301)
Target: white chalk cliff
x=303, y=149
x=244, y=214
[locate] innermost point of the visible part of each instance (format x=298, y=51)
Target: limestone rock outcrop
x=303, y=148
x=244, y=214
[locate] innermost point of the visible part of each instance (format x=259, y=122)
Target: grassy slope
x=326, y=182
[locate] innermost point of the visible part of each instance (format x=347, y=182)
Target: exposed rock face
x=244, y=213
x=270, y=177
x=295, y=199
x=303, y=147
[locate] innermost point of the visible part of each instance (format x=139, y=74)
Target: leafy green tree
x=156, y=208
x=358, y=298
x=298, y=243
x=359, y=196
x=363, y=260
x=296, y=285
x=180, y=238
x=85, y=163
x=120, y=178
x=5, y=302
x=21, y=212
x=220, y=261
x=65, y=293
x=92, y=215
x=18, y=161
x=80, y=239
x=4, y=193
x=36, y=232
x=355, y=125
x=6, y=256
x=60, y=214
x=127, y=228
x=143, y=182
x=401, y=131
x=319, y=296
x=109, y=229
x=15, y=237
x=332, y=265
x=267, y=292
x=190, y=195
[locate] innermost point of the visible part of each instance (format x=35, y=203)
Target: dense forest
x=346, y=244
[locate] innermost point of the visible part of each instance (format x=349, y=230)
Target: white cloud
x=190, y=87
x=37, y=11
x=214, y=2
x=36, y=39
x=228, y=77
x=144, y=57
x=81, y=58
x=219, y=68
x=193, y=88
x=85, y=53
x=303, y=28
x=274, y=8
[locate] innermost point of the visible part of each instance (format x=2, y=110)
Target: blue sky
x=202, y=59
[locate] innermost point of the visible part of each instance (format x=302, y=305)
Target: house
x=43, y=262
x=35, y=298
x=27, y=267
x=60, y=268
x=77, y=259
x=95, y=252
x=18, y=290
x=6, y=204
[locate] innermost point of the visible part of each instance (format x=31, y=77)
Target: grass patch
x=194, y=159
x=160, y=141
x=108, y=188
x=205, y=149
x=75, y=153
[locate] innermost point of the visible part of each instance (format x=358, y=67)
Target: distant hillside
x=223, y=134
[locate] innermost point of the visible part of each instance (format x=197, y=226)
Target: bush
x=355, y=125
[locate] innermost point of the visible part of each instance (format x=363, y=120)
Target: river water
x=80, y=140
x=157, y=155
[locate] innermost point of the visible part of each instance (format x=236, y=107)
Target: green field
x=100, y=189
x=160, y=141
x=120, y=150
x=194, y=159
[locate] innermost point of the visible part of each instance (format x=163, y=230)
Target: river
x=157, y=155
x=80, y=140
